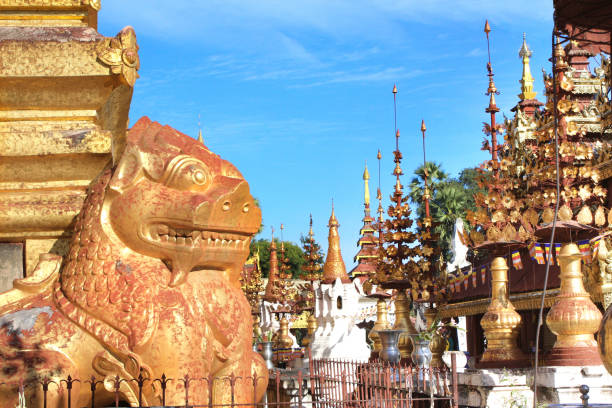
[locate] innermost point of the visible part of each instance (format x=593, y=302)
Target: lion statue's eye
x=187, y=174
x=198, y=176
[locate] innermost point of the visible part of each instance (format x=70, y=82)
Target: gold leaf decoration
x=498, y=216
x=493, y=234
x=567, y=84
x=531, y=216
x=548, y=215
x=600, y=216
x=509, y=233
x=585, y=216
x=565, y=213
x=523, y=234
x=476, y=237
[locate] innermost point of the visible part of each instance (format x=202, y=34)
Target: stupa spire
x=273, y=276
x=334, y=266
x=492, y=109
x=526, y=81
x=366, y=257
x=310, y=233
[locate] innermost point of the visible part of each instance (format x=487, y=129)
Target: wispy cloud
x=227, y=21
x=476, y=52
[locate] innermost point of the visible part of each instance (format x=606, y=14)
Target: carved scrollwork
x=94, y=4
x=121, y=55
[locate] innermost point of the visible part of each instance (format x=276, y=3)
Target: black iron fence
x=322, y=384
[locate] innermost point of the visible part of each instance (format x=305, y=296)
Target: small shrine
x=337, y=307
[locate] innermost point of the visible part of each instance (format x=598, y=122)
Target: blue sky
x=297, y=94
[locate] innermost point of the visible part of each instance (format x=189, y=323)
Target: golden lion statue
x=150, y=286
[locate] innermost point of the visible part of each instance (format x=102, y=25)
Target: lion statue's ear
x=128, y=171
x=133, y=165
x=152, y=164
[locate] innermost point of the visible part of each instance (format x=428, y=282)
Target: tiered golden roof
x=368, y=254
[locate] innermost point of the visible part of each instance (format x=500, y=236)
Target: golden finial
x=333, y=221
x=426, y=191
x=492, y=109
x=282, y=239
x=200, y=138
x=310, y=233
x=378, y=192
x=526, y=81
x=366, y=178
x=394, y=89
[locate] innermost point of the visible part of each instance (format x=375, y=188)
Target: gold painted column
x=501, y=323
x=403, y=322
x=312, y=328
x=573, y=318
x=438, y=344
x=382, y=323
x=282, y=336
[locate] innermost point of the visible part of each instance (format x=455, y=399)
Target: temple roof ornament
x=271, y=294
x=396, y=266
x=526, y=81
x=498, y=215
x=574, y=90
x=379, y=195
x=366, y=179
x=334, y=266
x=367, y=255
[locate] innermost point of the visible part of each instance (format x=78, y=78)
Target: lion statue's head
x=171, y=198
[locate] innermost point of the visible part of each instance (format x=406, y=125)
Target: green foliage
x=450, y=199
x=293, y=252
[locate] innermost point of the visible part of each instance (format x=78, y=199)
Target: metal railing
x=325, y=384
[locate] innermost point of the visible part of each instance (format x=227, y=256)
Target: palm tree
x=435, y=176
x=450, y=201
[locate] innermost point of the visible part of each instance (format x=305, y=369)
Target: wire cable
x=554, y=224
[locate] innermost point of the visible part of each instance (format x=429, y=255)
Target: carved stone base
x=573, y=356
x=514, y=387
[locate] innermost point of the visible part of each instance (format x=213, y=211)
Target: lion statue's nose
x=234, y=210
